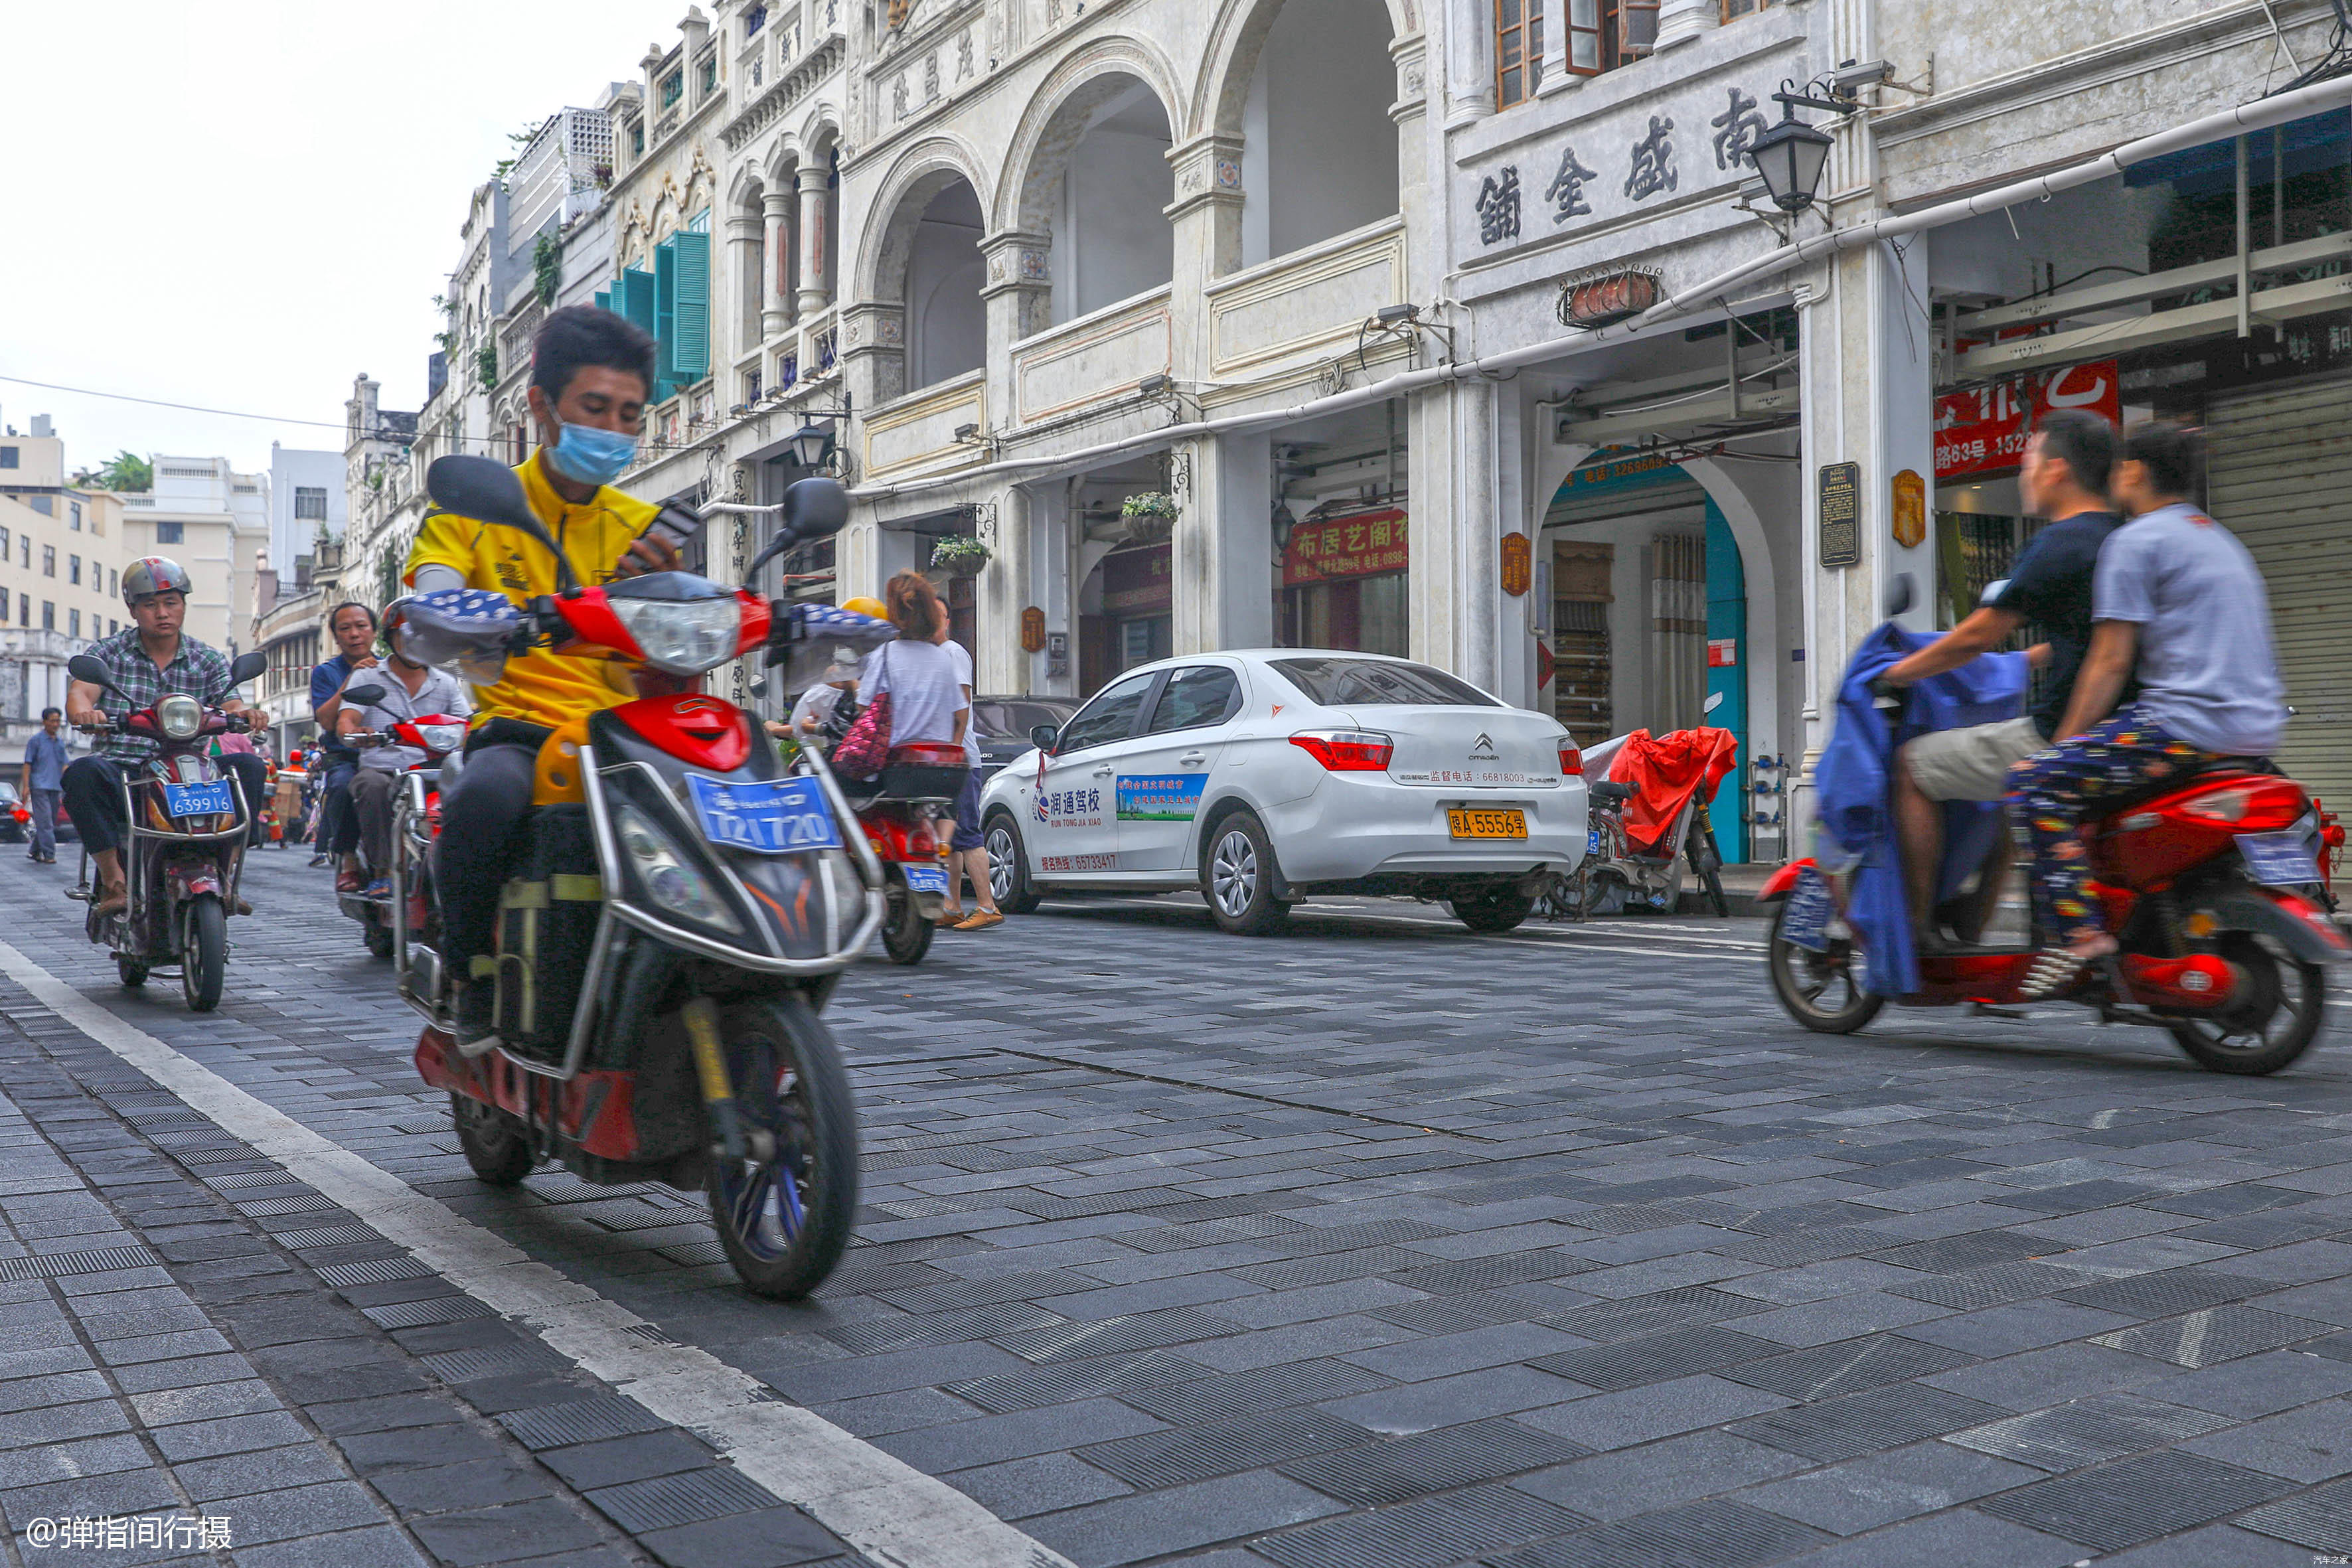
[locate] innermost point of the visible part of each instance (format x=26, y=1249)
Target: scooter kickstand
x=1980, y=1008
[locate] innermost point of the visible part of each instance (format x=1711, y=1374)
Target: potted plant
x=1150, y=514
x=959, y=556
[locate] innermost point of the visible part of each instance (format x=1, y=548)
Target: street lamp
x=1791, y=157
x=812, y=444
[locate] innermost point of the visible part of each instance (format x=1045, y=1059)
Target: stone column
x=775, y=304
x=873, y=352
x=1680, y=21
x=1018, y=299
x=816, y=280
x=1207, y=218
x=743, y=270
x=1469, y=64
x=1451, y=501
x=1557, y=78
x=1052, y=582
x=1223, y=550
x=1000, y=664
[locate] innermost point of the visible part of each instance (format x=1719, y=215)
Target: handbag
x=862, y=751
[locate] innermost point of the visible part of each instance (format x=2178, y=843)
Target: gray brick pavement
x=1381, y=1245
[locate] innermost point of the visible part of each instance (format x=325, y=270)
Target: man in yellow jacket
x=591, y=373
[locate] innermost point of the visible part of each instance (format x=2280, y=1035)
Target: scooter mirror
x=1902, y=593
x=364, y=696
x=1993, y=590
x=90, y=667
x=487, y=491
x=249, y=665
x=814, y=508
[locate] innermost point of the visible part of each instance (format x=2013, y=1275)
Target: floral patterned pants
x=2105, y=767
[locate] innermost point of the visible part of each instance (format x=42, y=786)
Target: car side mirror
x=1042, y=737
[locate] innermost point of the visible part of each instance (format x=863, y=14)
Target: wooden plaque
x=1033, y=630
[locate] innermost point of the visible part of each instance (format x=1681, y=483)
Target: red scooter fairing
x=705, y=732
x=593, y=1109
x=2156, y=840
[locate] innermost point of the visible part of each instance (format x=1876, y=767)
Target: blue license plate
x=766, y=816
x=210, y=799
x=926, y=880
x=1805, y=919
x=1592, y=841
x=2278, y=859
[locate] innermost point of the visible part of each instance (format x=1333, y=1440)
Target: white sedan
x=1265, y=776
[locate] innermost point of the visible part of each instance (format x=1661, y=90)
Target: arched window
x=947, y=326
x=1319, y=152
x=1111, y=237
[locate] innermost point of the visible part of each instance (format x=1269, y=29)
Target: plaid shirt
x=200, y=671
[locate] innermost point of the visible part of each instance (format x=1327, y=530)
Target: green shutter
x=637, y=299
x=691, y=356
x=666, y=309
x=604, y=298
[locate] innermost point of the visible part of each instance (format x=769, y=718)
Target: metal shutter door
x=2282, y=481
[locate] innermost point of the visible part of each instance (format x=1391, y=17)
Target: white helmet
x=152, y=575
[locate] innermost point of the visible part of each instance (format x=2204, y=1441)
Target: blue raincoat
x=1856, y=819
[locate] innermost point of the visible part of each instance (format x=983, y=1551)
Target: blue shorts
x=967, y=814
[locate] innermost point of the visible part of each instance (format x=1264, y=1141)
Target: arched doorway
x=1648, y=611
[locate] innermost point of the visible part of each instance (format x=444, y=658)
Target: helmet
x=152, y=575
x=862, y=605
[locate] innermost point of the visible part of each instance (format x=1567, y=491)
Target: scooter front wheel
x=1822, y=991
x=204, y=951
x=783, y=1220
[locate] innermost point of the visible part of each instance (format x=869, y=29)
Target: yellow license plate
x=1469, y=822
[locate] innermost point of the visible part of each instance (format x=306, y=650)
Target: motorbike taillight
x=2258, y=805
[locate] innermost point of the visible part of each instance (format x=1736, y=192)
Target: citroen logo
x=1484, y=746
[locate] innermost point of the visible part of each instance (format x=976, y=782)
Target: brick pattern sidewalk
x=188, y=1334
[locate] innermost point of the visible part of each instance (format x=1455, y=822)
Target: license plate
x=926, y=880
x=1478, y=822
x=2278, y=859
x=766, y=816
x=1805, y=919
x=211, y=799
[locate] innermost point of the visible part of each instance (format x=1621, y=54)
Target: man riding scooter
x=2178, y=595
x=2063, y=478
x=590, y=374
x=146, y=660
x=411, y=692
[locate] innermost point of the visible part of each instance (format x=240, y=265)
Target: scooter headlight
x=669, y=879
x=443, y=737
x=180, y=716
x=683, y=637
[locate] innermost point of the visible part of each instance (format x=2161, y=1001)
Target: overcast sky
x=243, y=205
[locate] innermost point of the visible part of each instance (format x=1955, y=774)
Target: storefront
x=1343, y=582
x=1648, y=611
x=1134, y=622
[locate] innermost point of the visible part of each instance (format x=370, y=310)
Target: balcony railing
x=1098, y=356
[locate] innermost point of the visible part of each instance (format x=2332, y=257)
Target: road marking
x=882, y=1506
x=1689, y=948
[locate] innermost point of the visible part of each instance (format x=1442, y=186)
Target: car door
x=1165, y=772
x=1073, y=827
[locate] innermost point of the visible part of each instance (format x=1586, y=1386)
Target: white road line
x=1690, y=947
x=882, y=1506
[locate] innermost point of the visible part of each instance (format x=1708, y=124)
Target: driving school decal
x=1160, y=797
x=1069, y=807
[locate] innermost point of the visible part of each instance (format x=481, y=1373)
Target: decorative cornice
x=789, y=89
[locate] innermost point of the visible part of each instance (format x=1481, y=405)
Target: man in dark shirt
x=352, y=625
x=2064, y=477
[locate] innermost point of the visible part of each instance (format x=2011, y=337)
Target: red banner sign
x=1985, y=427
x=1363, y=546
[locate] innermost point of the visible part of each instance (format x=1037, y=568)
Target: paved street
x=1377, y=1246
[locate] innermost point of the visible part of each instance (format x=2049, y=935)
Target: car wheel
x=1499, y=911
x=1008, y=870
x=1237, y=877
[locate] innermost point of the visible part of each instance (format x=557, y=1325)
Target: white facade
x=307, y=500
x=215, y=523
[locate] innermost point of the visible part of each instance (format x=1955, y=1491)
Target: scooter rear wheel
x=783, y=1222
x=494, y=1143
x=905, y=934
x=377, y=933
x=133, y=973
x=1822, y=991
x=2273, y=1021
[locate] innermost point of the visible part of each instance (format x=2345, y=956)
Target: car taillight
x=1571, y=759
x=1347, y=751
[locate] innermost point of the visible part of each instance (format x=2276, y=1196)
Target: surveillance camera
x=1865, y=73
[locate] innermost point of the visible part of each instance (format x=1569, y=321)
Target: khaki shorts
x=1973, y=763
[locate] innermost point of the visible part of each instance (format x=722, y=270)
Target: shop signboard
x=1135, y=581
x=1033, y=630
x=1518, y=564
x=1363, y=546
x=1983, y=429
x=1909, y=512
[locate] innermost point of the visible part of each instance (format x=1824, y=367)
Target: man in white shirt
x=410, y=691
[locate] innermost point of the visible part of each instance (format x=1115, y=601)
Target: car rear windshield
x=1376, y=682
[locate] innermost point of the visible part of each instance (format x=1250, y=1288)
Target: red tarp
x=1664, y=771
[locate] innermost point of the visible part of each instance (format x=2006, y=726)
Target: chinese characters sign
x=1985, y=427
x=1069, y=807
x=1160, y=797
x=1360, y=546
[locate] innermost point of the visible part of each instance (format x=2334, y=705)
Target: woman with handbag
x=912, y=692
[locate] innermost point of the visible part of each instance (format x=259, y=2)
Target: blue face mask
x=590, y=456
